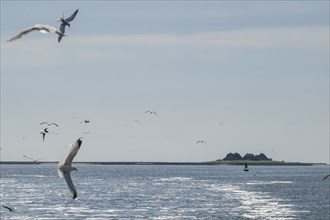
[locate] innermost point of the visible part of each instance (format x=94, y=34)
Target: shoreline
x=212, y=163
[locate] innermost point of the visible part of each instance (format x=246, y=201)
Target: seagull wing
x=62, y=29
x=6, y=207
x=68, y=180
x=44, y=123
x=72, y=16
x=74, y=150
x=43, y=136
x=54, y=124
x=28, y=157
x=23, y=32
x=326, y=177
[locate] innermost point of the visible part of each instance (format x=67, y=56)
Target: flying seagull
x=136, y=122
x=201, y=142
x=43, y=28
x=33, y=160
x=151, y=112
x=65, y=22
x=43, y=132
x=49, y=124
x=85, y=121
x=65, y=168
x=10, y=209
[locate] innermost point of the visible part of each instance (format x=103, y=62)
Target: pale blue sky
x=262, y=67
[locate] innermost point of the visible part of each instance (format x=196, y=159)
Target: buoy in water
x=246, y=167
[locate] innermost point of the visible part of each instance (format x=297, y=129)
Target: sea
x=166, y=192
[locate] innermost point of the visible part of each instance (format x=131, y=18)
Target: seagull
x=65, y=168
x=134, y=124
x=151, y=112
x=325, y=177
x=85, y=121
x=33, y=160
x=43, y=28
x=43, y=132
x=201, y=142
x=65, y=22
x=10, y=209
x=49, y=124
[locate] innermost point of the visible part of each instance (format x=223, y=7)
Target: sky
x=243, y=76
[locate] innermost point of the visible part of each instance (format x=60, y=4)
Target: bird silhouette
x=65, y=22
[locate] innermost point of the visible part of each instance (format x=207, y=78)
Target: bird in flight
x=33, y=160
x=65, y=167
x=6, y=207
x=65, y=22
x=201, y=142
x=136, y=122
x=43, y=28
x=85, y=121
x=49, y=124
x=150, y=112
x=43, y=132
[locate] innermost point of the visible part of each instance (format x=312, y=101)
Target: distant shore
x=211, y=163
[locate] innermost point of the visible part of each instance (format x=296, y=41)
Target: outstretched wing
x=68, y=180
x=74, y=150
x=325, y=177
x=62, y=29
x=23, y=32
x=72, y=16
x=28, y=157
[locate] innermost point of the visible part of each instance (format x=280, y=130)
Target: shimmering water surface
x=166, y=192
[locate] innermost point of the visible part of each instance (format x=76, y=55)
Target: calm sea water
x=166, y=192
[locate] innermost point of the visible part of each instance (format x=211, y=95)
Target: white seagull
x=151, y=112
x=65, y=168
x=136, y=122
x=85, y=121
x=43, y=28
x=49, y=124
x=65, y=22
x=201, y=142
x=33, y=160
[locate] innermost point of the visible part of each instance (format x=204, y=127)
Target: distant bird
x=43, y=28
x=151, y=112
x=85, y=121
x=221, y=123
x=65, y=167
x=201, y=142
x=65, y=22
x=9, y=208
x=136, y=122
x=43, y=132
x=49, y=124
x=325, y=177
x=33, y=160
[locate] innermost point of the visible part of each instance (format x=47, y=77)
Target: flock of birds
x=65, y=167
